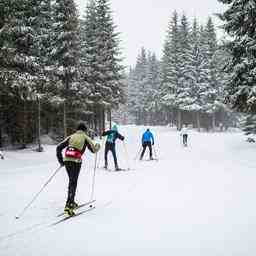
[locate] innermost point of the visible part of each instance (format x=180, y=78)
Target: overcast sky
x=144, y=22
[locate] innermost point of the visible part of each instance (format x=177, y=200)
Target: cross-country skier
x=110, y=145
x=147, y=141
x=184, y=135
x=75, y=146
x=1, y=155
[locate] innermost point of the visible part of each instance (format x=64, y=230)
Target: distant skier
x=75, y=146
x=184, y=135
x=1, y=155
x=110, y=145
x=147, y=141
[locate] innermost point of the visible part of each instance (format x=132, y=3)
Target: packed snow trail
x=194, y=201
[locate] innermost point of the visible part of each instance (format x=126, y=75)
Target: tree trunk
x=213, y=122
x=110, y=119
x=40, y=149
x=179, y=119
x=103, y=119
x=64, y=119
x=198, y=121
x=24, y=125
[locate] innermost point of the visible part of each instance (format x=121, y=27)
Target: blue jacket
x=147, y=137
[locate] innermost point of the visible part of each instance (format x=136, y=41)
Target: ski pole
x=126, y=154
x=102, y=143
x=155, y=152
x=94, y=175
x=137, y=155
x=39, y=192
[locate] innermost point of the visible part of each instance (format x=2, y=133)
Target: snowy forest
x=57, y=68
x=188, y=85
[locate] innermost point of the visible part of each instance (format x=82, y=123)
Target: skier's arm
x=152, y=137
x=59, y=149
x=107, y=132
x=92, y=146
x=119, y=136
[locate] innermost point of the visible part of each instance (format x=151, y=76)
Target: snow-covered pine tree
x=88, y=62
x=141, y=81
x=248, y=124
x=239, y=22
x=101, y=63
x=132, y=100
x=153, y=83
x=108, y=61
x=184, y=97
x=170, y=67
x=20, y=63
x=210, y=40
x=64, y=53
x=196, y=74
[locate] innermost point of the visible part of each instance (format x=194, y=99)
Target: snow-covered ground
x=194, y=201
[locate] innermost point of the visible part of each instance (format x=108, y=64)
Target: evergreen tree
x=88, y=53
x=20, y=63
x=184, y=91
x=141, y=81
x=197, y=74
x=101, y=63
x=239, y=22
x=65, y=51
x=170, y=69
x=110, y=75
x=152, y=92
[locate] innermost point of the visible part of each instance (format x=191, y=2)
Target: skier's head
x=114, y=127
x=81, y=127
x=148, y=130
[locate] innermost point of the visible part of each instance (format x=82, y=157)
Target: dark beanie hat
x=82, y=127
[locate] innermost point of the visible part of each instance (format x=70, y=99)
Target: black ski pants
x=145, y=145
x=73, y=170
x=185, y=139
x=110, y=147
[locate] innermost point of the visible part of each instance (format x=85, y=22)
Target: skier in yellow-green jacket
x=75, y=146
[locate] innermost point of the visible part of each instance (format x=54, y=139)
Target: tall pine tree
x=65, y=52
x=239, y=22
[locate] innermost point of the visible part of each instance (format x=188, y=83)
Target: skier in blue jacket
x=147, y=141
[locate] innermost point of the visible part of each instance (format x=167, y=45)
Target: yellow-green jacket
x=77, y=142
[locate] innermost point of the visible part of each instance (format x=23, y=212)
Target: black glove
x=122, y=139
x=61, y=163
x=153, y=143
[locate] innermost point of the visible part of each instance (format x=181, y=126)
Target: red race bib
x=73, y=153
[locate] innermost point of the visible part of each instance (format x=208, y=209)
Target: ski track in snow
x=197, y=200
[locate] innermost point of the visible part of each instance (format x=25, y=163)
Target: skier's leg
x=106, y=155
x=150, y=150
x=186, y=139
x=143, y=151
x=73, y=170
x=113, y=150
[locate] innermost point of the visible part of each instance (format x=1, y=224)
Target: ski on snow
x=119, y=170
x=73, y=216
x=78, y=207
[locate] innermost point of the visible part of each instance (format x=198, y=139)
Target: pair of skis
x=88, y=206
x=119, y=170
